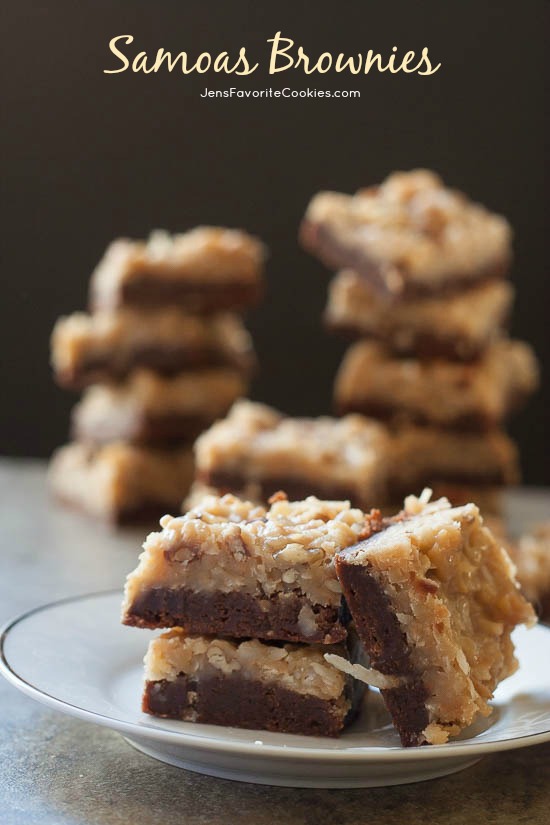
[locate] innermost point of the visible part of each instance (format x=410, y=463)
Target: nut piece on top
x=434, y=600
x=231, y=568
x=204, y=270
x=409, y=236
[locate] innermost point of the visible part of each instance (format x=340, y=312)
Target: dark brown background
x=88, y=156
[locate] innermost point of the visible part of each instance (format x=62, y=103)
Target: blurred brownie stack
x=421, y=287
x=162, y=354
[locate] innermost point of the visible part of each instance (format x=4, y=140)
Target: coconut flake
x=365, y=674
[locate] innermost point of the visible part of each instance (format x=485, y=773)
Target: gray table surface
x=55, y=769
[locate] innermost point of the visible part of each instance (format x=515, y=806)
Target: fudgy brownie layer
x=167, y=361
x=296, y=489
x=407, y=708
x=153, y=291
x=320, y=241
x=238, y=702
x=385, y=643
x=236, y=614
x=159, y=431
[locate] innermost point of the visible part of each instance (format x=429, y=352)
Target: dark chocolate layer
x=235, y=614
x=150, y=290
x=407, y=708
x=235, y=701
x=325, y=244
x=385, y=642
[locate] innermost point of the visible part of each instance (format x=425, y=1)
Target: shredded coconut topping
x=412, y=227
x=224, y=544
x=298, y=668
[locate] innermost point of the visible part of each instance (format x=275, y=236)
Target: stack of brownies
x=259, y=603
x=421, y=286
x=254, y=601
x=163, y=354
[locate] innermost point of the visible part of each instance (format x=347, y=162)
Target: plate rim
x=202, y=742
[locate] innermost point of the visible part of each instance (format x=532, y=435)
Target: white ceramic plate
x=75, y=656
